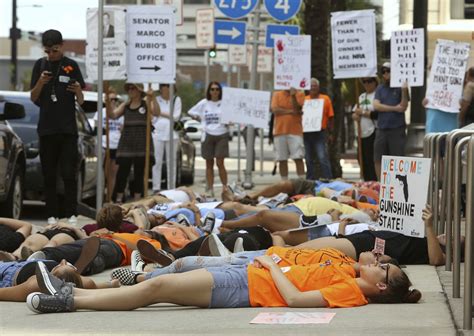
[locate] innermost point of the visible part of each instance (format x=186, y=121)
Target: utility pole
x=14, y=50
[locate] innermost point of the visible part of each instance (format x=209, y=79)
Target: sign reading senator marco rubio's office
x=151, y=50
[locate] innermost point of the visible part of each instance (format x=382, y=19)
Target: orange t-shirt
x=175, y=236
x=295, y=256
x=328, y=111
x=335, y=281
x=287, y=123
x=128, y=242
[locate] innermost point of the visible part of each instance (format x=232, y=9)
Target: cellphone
x=48, y=73
x=72, y=81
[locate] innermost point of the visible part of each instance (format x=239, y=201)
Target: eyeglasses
x=385, y=71
x=367, y=81
x=215, y=89
x=385, y=267
x=51, y=51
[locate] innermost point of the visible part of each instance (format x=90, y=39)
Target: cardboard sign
x=292, y=62
x=354, y=44
x=293, y=318
x=250, y=107
x=403, y=194
x=114, y=43
x=313, y=115
x=445, y=83
x=407, y=54
x=151, y=52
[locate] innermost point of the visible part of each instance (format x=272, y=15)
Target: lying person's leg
x=269, y=219
x=274, y=189
x=20, y=292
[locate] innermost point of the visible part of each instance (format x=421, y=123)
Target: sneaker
x=72, y=220
x=38, y=255
x=126, y=276
x=52, y=220
x=49, y=283
x=43, y=303
x=137, y=263
x=183, y=220
x=216, y=247
x=204, y=248
x=88, y=253
x=239, y=245
x=209, y=222
x=151, y=254
x=308, y=220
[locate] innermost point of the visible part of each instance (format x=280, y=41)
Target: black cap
x=51, y=37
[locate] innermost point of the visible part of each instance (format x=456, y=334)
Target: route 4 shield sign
x=151, y=50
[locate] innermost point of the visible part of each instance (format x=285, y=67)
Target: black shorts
x=112, y=153
x=51, y=233
x=363, y=241
x=302, y=186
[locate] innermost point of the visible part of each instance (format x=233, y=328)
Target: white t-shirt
x=176, y=195
x=351, y=228
x=115, y=130
x=367, y=125
x=161, y=124
x=210, y=113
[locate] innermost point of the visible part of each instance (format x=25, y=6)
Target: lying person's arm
x=188, y=231
x=19, y=226
x=292, y=295
x=80, y=233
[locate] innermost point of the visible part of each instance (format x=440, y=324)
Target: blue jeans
x=315, y=145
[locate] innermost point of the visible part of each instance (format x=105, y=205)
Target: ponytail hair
x=398, y=291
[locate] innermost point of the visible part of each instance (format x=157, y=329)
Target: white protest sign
x=178, y=4
x=114, y=43
x=237, y=54
x=250, y=107
x=151, y=52
x=292, y=62
x=354, y=44
x=403, y=194
x=313, y=115
x=407, y=54
x=445, y=83
x=205, y=28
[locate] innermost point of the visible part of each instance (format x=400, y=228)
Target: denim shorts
x=231, y=287
x=318, y=232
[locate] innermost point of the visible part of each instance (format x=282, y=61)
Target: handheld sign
x=236, y=9
x=313, y=115
x=151, y=56
x=250, y=107
x=354, y=44
x=445, y=83
x=283, y=10
x=114, y=43
x=292, y=62
x=403, y=194
x=379, y=247
x=407, y=56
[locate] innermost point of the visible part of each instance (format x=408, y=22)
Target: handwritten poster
x=407, y=54
x=114, y=43
x=354, y=47
x=293, y=318
x=445, y=83
x=292, y=62
x=313, y=115
x=250, y=107
x=403, y=194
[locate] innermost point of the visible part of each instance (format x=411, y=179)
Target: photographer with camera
x=56, y=82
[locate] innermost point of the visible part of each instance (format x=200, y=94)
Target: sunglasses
x=385, y=267
x=215, y=89
x=367, y=81
x=385, y=71
x=51, y=51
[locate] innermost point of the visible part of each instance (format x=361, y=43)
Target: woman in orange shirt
x=264, y=284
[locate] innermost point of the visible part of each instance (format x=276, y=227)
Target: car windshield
x=31, y=110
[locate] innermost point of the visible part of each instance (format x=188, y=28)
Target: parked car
x=12, y=161
x=26, y=129
x=195, y=136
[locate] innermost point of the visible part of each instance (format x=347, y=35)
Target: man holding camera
x=56, y=82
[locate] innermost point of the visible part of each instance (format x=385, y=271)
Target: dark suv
x=26, y=129
x=12, y=161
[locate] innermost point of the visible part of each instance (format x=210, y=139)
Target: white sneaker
x=216, y=247
x=72, y=220
x=38, y=255
x=208, y=222
x=137, y=264
x=52, y=220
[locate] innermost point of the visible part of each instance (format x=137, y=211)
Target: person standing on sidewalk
x=391, y=104
x=288, y=130
x=215, y=136
x=161, y=132
x=56, y=83
x=315, y=142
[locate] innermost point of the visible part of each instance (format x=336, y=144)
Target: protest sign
x=151, y=52
x=250, y=107
x=293, y=318
x=407, y=55
x=292, y=62
x=312, y=115
x=354, y=47
x=445, y=83
x=403, y=194
x=114, y=43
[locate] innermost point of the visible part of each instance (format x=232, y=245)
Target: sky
x=67, y=16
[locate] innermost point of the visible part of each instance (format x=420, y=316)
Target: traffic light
x=213, y=52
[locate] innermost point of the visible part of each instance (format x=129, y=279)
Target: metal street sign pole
x=206, y=56
x=171, y=165
x=100, y=76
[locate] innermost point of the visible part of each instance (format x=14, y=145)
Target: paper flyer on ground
x=293, y=318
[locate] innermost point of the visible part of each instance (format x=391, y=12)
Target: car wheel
x=12, y=206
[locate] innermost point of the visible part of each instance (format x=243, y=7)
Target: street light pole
x=14, y=49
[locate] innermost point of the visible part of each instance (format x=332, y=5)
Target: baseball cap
x=51, y=37
x=386, y=65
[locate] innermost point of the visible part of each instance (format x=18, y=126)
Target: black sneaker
x=306, y=221
x=49, y=283
x=151, y=254
x=209, y=222
x=44, y=303
x=125, y=276
x=183, y=220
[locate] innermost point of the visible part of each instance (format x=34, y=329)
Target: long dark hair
x=208, y=91
x=398, y=291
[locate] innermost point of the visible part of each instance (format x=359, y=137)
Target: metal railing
x=467, y=320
